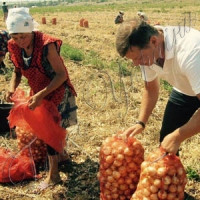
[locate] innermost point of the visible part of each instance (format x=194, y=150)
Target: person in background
x=36, y=56
x=173, y=54
x=4, y=37
x=142, y=16
x=5, y=11
x=120, y=17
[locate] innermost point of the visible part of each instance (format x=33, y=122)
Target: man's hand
x=171, y=143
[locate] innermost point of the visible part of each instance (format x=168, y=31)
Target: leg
x=53, y=174
x=179, y=110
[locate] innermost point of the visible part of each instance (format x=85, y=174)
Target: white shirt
x=182, y=60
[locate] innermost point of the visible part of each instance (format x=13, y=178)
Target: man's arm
x=149, y=99
x=172, y=142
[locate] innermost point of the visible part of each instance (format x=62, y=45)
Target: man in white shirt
x=173, y=54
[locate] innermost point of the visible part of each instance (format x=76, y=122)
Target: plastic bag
x=15, y=168
x=162, y=177
x=119, y=167
x=44, y=120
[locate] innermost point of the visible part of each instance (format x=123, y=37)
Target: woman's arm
x=14, y=82
x=59, y=68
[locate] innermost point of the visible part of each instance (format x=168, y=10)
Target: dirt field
x=103, y=109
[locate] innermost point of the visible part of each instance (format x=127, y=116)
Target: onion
x=171, y=171
x=123, y=187
x=175, y=180
x=153, y=189
x=180, y=171
x=152, y=171
x=128, y=152
x=122, y=170
x=120, y=157
x=109, y=172
x=115, y=184
x=171, y=196
x=109, y=159
x=146, y=192
x=153, y=197
x=128, y=180
x=157, y=183
x=172, y=188
x=167, y=180
x=161, y=171
x=110, y=179
x=162, y=194
x=116, y=174
x=117, y=163
x=144, y=165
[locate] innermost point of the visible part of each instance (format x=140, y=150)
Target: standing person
x=36, y=56
x=173, y=54
x=4, y=37
x=5, y=11
x=120, y=17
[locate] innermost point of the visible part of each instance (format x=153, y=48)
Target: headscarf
x=20, y=21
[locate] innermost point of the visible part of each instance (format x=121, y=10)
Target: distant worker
x=4, y=37
x=5, y=11
x=142, y=16
x=119, y=19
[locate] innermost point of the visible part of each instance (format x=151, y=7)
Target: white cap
x=19, y=21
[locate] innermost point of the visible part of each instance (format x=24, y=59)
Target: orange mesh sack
x=119, y=167
x=43, y=121
x=162, y=177
x=15, y=168
x=30, y=145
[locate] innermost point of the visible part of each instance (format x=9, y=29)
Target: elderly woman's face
x=23, y=40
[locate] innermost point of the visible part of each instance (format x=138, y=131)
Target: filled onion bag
x=119, y=170
x=15, y=168
x=162, y=177
x=30, y=145
x=44, y=120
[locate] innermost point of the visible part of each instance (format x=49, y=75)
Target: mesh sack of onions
x=162, y=177
x=30, y=145
x=119, y=169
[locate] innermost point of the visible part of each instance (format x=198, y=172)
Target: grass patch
x=192, y=174
x=71, y=53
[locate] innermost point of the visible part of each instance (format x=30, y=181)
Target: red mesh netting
x=44, y=120
x=119, y=170
x=15, y=168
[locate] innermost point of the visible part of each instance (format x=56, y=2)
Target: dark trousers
x=178, y=111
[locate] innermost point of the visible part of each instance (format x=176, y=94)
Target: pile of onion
x=163, y=178
x=120, y=166
x=30, y=145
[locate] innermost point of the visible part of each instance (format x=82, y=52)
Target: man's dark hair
x=133, y=32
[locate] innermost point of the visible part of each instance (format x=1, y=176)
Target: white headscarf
x=20, y=21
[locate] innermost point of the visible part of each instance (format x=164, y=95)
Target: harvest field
x=109, y=93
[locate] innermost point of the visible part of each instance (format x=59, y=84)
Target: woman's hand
x=35, y=101
x=8, y=96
